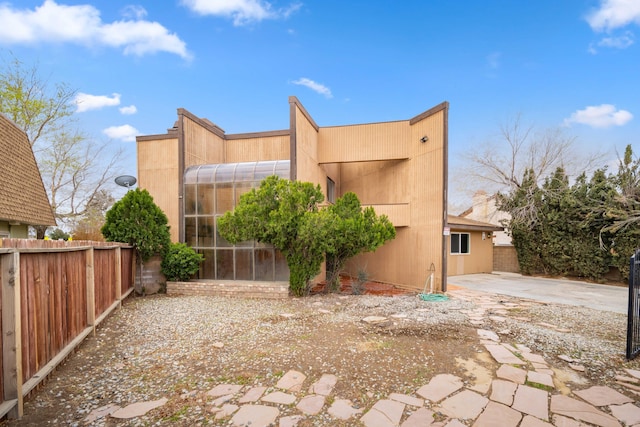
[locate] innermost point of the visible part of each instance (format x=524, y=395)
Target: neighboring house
x=196, y=172
x=470, y=246
x=23, y=199
x=484, y=209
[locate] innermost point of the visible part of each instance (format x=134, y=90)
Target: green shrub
x=180, y=262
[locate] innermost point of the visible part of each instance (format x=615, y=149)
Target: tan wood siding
x=398, y=214
x=158, y=174
x=257, y=149
x=418, y=182
x=201, y=145
x=360, y=143
x=307, y=166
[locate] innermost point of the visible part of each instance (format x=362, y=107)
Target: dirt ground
x=371, y=361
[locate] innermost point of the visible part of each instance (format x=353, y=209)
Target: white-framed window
x=460, y=243
x=331, y=191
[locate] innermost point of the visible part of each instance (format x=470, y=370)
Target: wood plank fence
x=53, y=295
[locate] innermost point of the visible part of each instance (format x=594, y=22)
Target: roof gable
x=23, y=198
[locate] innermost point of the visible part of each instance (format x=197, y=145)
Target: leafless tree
x=74, y=167
x=500, y=164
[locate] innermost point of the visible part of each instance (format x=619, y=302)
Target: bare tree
x=74, y=167
x=500, y=165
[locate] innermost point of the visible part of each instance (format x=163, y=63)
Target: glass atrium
x=209, y=192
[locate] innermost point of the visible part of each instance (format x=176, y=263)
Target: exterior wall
x=307, y=167
x=484, y=209
x=256, y=149
x=478, y=260
x=362, y=143
x=420, y=182
x=201, y=146
x=158, y=173
x=14, y=231
x=505, y=258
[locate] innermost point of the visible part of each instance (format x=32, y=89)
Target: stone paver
x=255, y=416
x=628, y=413
x=291, y=381
x=409, y=400
x=324, y=386
x=530, y=421
x=290, y=421
x=502, y=355
x=252, y=395
x=512, y=373
x=224, y=389
x=226, y=411
x=602, y=396
x=540, y=378
x=138, y=409
x=385, y=413
x=101, y=412
x=581, y=411
x=343, y=409
x=423, y=417
x=503, y=391
x=496, y=414
x=488, y=335
x=279, y=397
x=532, y=401
x=440, y=387
x=465, y=405
x=311, y=404
x=222, y=400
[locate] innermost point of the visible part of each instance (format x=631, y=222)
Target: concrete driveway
x=599, y=297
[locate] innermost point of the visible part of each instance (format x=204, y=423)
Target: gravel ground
x=163, y=346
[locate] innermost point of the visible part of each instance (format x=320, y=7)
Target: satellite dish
x=126, y=180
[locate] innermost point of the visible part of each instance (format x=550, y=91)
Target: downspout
x=445, y=181
x=181, y=177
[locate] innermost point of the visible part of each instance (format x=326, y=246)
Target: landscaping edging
x=230, y=288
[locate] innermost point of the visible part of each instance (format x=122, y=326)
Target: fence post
x=91, y=290
x=11, y=332
x=118, y=283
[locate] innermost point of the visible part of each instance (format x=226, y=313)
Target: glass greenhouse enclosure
x=209, y=192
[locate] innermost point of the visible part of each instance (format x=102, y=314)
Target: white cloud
x=316, y=87
x=241, y=11
x=134, y=12
x=81, y=24
x=86, y=102
x=600, y=116
x=614, y=14
x=621, y=42
x=131, y=109
x=125, y=133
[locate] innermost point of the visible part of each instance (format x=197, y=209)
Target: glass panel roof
x=236, y=172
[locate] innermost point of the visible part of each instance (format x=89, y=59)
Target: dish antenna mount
x=126, y=181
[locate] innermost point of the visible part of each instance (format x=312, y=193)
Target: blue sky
x=569, y=63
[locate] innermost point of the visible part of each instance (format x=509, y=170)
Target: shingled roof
x=23, y=198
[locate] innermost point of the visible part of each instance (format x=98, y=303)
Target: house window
x=460, y=243
x=331, y=191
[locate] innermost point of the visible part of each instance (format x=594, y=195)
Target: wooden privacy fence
x=53, y=295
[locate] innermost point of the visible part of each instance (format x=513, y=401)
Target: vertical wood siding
x=158, y=174
x=362, y=143
x=201, y=145
x=257, y=149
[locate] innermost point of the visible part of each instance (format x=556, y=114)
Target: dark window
x=460, y=243
x=331, y=191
